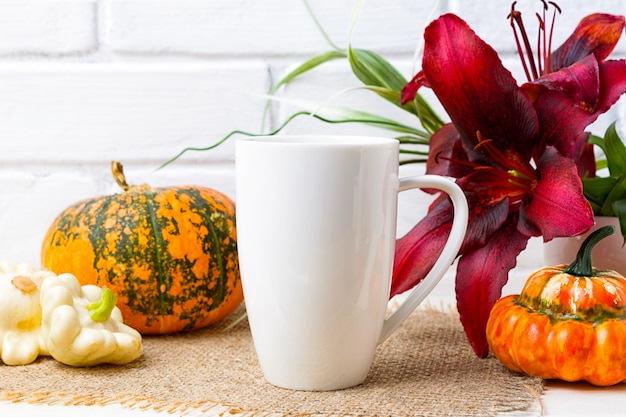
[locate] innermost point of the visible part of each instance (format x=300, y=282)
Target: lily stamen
x=520, y=176
x=534, y=69
x=519, y=184
x=541, y=38
x=502, y=159
x=548, y=53
x=516, y=18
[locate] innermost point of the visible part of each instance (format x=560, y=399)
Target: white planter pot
x=609, y=253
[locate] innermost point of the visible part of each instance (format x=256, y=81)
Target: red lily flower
x=513, y=151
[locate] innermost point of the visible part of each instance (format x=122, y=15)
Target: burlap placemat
x=426, y=368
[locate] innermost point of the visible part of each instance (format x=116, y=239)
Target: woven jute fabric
x=426, y=368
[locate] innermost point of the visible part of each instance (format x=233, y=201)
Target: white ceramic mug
x=316, y=228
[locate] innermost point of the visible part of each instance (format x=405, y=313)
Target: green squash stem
x=582, y=265
x=101, y=310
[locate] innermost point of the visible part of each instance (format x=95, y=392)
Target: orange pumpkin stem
x=582, y=265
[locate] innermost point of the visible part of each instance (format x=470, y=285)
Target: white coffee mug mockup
x=316, y=229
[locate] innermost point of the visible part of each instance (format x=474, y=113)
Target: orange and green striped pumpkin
x=170, y=254
x=569, y=322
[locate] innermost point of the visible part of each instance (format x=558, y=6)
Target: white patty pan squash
x=81, y=326
x=21, y=340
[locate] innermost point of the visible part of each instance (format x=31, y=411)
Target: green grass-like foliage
x=607, y=195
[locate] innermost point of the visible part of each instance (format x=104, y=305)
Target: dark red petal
x=446, y=154
x=557, y=206
x=409, y=91
x=562, y=124
x=417, y=251
x=527, y=228
x=480, y=277
x=586, y=163
x=486, y=220
x=595, y=34
x=475, y=89
x=612, y=84
x=580, y=82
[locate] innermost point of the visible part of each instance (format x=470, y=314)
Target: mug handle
x=447, y=256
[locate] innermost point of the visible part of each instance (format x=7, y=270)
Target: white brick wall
x=47, y=27
x=83, y=82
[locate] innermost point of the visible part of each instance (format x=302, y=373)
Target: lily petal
x=586, y=163
x=557, y=206
x=485, y=220
x=480, y=277
x=417, y=251
x=409, y=91
x=595, y=34
x=476, y=90
x=612, y=84
x=446, y=154
x=580, y=82
x=562, y=123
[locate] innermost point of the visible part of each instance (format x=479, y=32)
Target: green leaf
x=413, y=161
x=386, y=93
x=599, y=142
x=332, y=115
x=372, y=69
x=604, y=193
x=618, y=192
x=615, y=152
x=354, y=17
x=301, y=69
x=415, y=152
x=339, y=114
x=427, y=116
x=234, y=133
x=307, y=66
x=412, y=140
x=620, y=209
x=378, y=75
x=596, y=189
x=596, y=140
x=601, y=164
x=319, y=25
x=384, y=79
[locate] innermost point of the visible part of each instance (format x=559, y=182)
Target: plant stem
x=101, y=310
x=582, y=265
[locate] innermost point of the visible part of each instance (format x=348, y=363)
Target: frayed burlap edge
x=126, y=401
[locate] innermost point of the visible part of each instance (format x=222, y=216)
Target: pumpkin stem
x=118, y=175
x=582, y=265
x=24, y=284
x=101, y=310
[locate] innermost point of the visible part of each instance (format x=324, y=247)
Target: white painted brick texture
x=84, y=82
x=47, y=27
x=85, y=112
x=266, y=28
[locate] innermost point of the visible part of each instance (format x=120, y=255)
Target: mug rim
x=321, y=139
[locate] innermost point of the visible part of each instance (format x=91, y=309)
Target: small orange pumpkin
x=170, y=254
x=568, y=323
